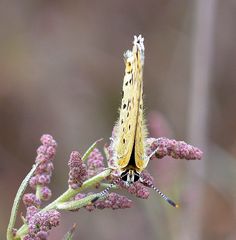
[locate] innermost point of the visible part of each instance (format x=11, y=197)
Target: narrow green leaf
x=90, y=149
x=16, y=203
x=69, y=235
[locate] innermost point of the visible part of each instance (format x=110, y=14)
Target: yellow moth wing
x=125, y=127
x=130, y=129
x=141, y=159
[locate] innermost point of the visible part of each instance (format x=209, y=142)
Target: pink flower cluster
x=78, y=170
x=95, y=163
x=170, y=147
x=40, y=223
x=42, y=176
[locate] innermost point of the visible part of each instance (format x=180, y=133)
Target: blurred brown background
x=61, y=70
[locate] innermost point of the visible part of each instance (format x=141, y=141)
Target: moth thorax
x=130, y=176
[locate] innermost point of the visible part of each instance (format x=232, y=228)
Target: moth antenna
x=172, y=203
x=105, y=192
x=153, y=153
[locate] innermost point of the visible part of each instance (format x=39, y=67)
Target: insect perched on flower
x=130, y=131
x=129, y=151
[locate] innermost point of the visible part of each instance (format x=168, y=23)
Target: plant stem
x=18, y=197
x=77, y=204
x=67, y=195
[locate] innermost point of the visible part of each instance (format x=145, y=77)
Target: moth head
x=130, y=176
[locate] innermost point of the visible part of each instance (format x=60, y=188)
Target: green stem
x=76, y=204
x=106, y=185
x=18, y=197
x=87, y=153
x=67, y=195
x=38, y=191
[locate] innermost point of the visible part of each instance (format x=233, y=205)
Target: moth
x=130, y=131
x=128, y=145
